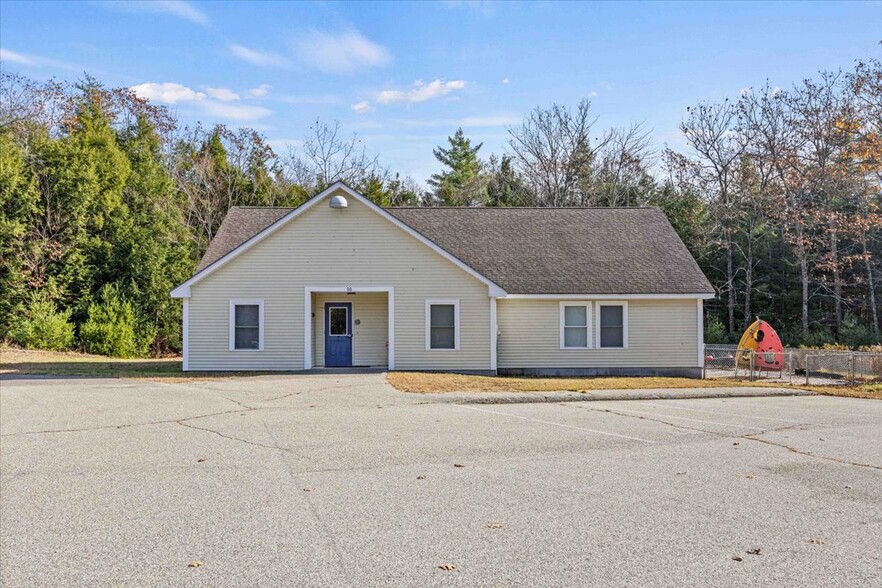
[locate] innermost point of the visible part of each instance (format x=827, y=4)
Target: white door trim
x=308, y=291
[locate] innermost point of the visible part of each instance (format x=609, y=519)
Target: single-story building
x=340, y=282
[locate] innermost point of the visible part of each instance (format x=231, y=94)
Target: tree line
x=107, y=201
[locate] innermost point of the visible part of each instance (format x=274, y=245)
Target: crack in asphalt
x=125, y=425
x=747, y=437
x=230, y=437
x=751, y=437
x=329, y=536
x=243, y=408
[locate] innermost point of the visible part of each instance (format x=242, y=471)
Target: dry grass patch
x=440, y=383
x=15, y=361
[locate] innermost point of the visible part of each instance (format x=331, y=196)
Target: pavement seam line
x=691, y=420
x=556, y=424
x=733, y=414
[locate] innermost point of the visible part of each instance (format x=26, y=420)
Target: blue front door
x=338, y=334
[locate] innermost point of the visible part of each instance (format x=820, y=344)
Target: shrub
x=43, y=326
x=112, y=327
x=854, y=334
x=715, y=332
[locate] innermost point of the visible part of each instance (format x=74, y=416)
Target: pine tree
x=455, y=185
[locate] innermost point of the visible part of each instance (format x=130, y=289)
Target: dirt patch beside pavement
x=444, y=383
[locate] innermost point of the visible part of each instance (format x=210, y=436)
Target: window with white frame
x=612, y=325
x=575, y=325
x=246, y=325
x=442, y=324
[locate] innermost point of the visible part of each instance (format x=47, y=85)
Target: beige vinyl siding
x=368, y=338
x=661, y=333
x=324, y=247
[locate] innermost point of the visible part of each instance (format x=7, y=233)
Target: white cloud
x=421, y=91
x=260, y=91
x=235, y=111
x=222, y=94
x=340, y=53
x=167, y=93
x=505, y=80
x=362, y=107
x=211, y=104
x=745, y=91
x=178, y=8
x=594, y=94
x=35, y=61
x=258, y=58
x=12, y=56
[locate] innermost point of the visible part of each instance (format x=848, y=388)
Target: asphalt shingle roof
x=534, y=250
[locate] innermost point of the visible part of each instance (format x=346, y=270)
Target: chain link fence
x=819, y=367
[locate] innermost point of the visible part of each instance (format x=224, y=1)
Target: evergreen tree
x=461, y=159
x=506, y=188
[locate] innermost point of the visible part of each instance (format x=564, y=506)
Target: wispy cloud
x=593, y=94
x=310, y=99
x=178, y=8
x=482, y=7
x=215, y=102
x=36, y=61
x=243, y=112
x=487, y=121
x=421, y=91
x=222, y=94
x=167, y=93
x=13, y=57
x=362, y=107
x=506, y=80
x=258, y=58
x=499, y=120
x=260, y=91
x=340, y=53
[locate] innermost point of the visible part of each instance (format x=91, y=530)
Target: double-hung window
x=246, y=325
x=575, y=325
x=442, y=324
x=612, y=325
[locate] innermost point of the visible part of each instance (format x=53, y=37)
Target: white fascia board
x=183, y=291
x=609, y=296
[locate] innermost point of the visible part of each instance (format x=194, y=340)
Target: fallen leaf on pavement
x=307, y=489
x=195, y=564
x=755, y=551
x=421, y=477
x=816, y=541
x=737, y=558
x=458, y=465
x=447, y=567
x=200, y=460
x=680, y=473
x=494, y=525
x=750, y=476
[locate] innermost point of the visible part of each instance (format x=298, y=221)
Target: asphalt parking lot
x=338, y=480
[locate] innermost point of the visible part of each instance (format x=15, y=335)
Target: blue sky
x=406, y=75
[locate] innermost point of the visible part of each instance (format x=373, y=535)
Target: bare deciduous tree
x=326, y=156
x=553, y=152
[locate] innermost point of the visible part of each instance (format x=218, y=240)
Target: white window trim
x=433, y=301
x=588, y=315
x=338, y=304
x=260, y=323
x=624, y=305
